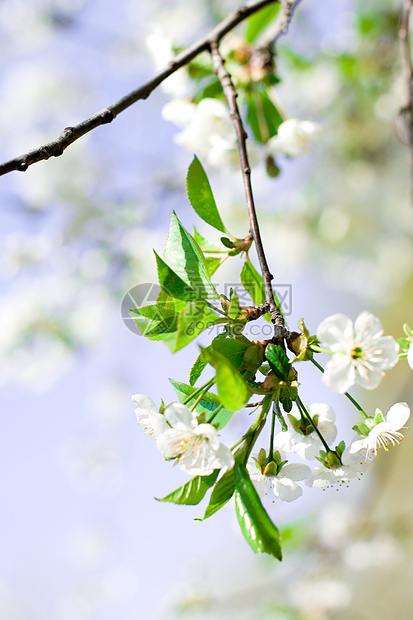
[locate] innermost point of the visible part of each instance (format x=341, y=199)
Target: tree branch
x=71, y=134
x=231, y=97
x=406, y=110
x=281, y=24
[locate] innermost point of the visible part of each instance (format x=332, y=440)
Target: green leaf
x=258, y=529
x=185, y=258
x=194, y=319
x=212, y=263
x=259, y=21
x=253, y=357
x=407, y=331
x=252, y=282
x=155, y=322
x=262, y=116
x=172, y=284
x=193, y=491
x=206, y=405
x=196, y=370
x=232, y=349
x=204, y=244
x=234, y=308
x=278, y=360
x=221, y=494
x=231, y=387
x=404, y=343
x=201, y=197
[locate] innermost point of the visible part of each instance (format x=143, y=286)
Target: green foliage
x=192, y=320
x=183, y=255
x=155, y=322
x=262, y=115
x=201, y=197
x=232, y=349
x=193, y=491
x=259, y=21
x=278, y=360
x=231, y=387
x=221, y=494
x=172, y=284
x=207, y=405
x=258, y=529
x=197, y=369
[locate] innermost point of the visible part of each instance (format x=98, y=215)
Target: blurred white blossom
x=294, y=138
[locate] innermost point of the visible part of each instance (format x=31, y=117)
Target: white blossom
x=308, y=446
x=382, y=435
x=148, y=415
x=360, y=353
x=294, y=138
x=208, y=130
x=196, y=446
x=283, y=485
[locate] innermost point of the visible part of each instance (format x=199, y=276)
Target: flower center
x=357, y=353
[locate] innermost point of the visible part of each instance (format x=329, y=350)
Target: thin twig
x=231, y=97
x=406, y=110
x=71, y=134
x=281, y=25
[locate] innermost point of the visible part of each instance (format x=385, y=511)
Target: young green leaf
x=278, y=360
x=193, y=491
x=193, y=320
x=259, y=21
x=196, y=370
x=232, y=349
x=155, y=322
x=234, y=308
x=262, y=116
x=231, y=387
x=258, y=529
x=252, y=282
x=185, y=258
x=204, y=244
x=207, y=405
x=201, y=197
x=172, y=284
x=221, y=494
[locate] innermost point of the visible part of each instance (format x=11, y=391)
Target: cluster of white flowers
x=179, y=435
x=198, y=450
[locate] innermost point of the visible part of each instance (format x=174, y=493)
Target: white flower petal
x=366, y=325
x=336, y=332
x=180, y=417
x=285, y=489
x=398, y=415
x=144, y=403
x=339, y=374
x=389, y=352
x=295, y=471
x=324, y=412
x=224, y=457
x=209, y=433
x=173, y=442
x=285, y=440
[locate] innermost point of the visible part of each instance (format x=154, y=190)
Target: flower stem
x=274, y=415
x=214, y=413
x=206, y=385
x=351, y=399
x=304, y=412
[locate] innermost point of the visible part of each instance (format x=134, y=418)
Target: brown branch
x=406, y=110
x=71, y=134
x=231, y=97
x=281, y=25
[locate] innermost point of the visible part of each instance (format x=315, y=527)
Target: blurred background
x=80, y=533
